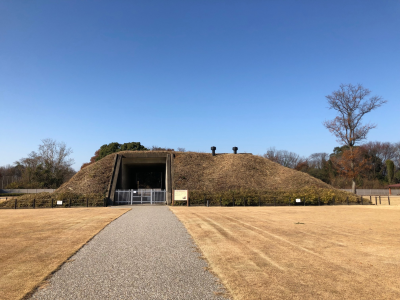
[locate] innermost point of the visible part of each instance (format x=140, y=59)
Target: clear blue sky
x=192, y=74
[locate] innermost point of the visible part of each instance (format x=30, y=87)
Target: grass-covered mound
x=227, y=176
x=248, y=180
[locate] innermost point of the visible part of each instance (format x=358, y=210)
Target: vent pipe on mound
x=213, y=148
x=235, y=149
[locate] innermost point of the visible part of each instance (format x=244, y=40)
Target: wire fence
x=52, y=203
x=278, y=201
x=374, y=192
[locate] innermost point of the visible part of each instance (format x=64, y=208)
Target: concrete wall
x=26, y=191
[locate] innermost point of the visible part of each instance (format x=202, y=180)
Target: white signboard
x=298, y=200
x=181, y=195
x=59, y=202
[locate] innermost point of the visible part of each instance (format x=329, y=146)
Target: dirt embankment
x=202, y=171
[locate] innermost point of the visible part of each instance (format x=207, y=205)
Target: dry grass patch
x=34, y=243
x=300, y=252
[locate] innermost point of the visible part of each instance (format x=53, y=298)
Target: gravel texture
x=145, y=254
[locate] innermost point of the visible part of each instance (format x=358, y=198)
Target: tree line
x=48, y=167
x=377, y=164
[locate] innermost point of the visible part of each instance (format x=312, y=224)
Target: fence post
x=389, y=200
x=376, y=201
x=274, y=201
x=105, y=202
x=347, y=200
x=207, y=203
x=51, y=202
x=34, y=204
x=204, y=200
x=333, y=200
x=233, y=201
x=69, y=202
x=304, y=200
x=362, y=201
x=259, y=200
x=87, y=202
x=319, y=201
x=220, y=201
x=244, y=201
x=15, y=204
x=380, y=200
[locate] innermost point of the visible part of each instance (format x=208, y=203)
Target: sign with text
x=59, y=202
x=298, y=200
x=181, y=195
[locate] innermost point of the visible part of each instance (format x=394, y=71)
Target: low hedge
x=47, y=203
x=311, y=196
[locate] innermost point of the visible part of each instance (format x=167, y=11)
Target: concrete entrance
x=142, y=171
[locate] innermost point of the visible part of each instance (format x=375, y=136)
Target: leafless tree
x=351, y=104
x=156, y=148
x=54, y=155
x=283, y=157
x=50, y=166
x=181, y=149
x=318, y=160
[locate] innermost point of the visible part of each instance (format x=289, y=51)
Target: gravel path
x=145, y=254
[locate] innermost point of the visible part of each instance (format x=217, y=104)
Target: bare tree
x=49, y=167
x=283, y=157
x=318, y=160
x=351, y=104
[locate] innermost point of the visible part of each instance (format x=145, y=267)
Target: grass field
x=35, y=242
x=300, y=252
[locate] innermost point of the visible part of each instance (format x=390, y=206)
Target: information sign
x=59, y=202
x=298, y=200
x=181, y=195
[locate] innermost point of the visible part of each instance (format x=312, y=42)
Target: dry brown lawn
x=300, y=252
x=35, y=242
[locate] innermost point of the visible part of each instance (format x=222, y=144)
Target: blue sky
x=192, y=74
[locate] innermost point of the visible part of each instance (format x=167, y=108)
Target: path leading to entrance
x=145, y=254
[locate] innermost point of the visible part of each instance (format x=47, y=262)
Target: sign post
x=180, y=195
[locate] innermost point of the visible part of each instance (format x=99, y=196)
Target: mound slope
x=202, y=171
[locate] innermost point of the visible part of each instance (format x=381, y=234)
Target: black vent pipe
x=213, y=148
x=235, y=149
